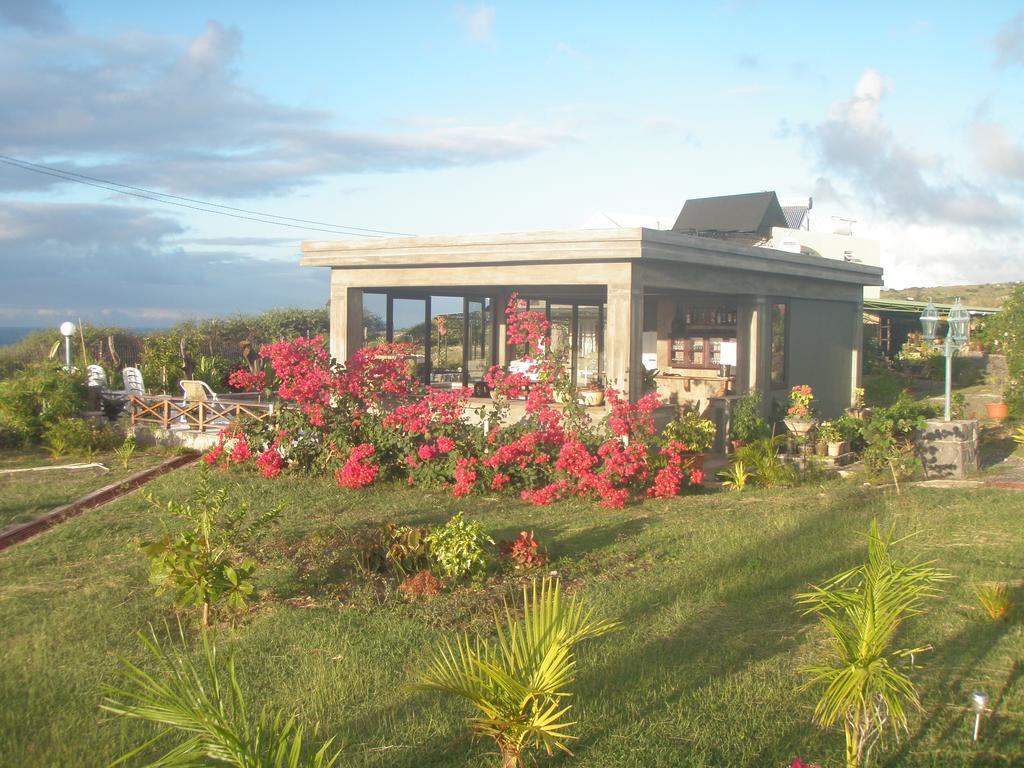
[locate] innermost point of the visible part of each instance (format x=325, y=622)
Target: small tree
x=520, y=684
x=863, y=609
x=202, y=564
x=1003, y=333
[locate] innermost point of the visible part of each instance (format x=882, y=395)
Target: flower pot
x=800, y=427
x=736, y=444
x=821, y=448
x=695, y=460
x=593, y=397
x=837, y=449
x=997, y=411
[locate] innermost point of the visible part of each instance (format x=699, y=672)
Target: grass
x=705, y=672
x=26, y=495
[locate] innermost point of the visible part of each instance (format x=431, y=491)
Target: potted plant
x=593, y=393
x=746, y=423
x=857, y=410
x=997, y=411
x=697, y=434
x=829, y=434
x=800, y=416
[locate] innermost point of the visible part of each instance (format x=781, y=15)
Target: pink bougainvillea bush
x=371, y=421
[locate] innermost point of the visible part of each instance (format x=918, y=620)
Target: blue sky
x=446, y=118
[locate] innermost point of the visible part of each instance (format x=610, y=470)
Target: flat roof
x=578, y=246
x=916, y=307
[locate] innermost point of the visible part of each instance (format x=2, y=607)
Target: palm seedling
x=210, y=713
x=520, y=684
x=995, y=599
x=862, y=609
x=735, y=477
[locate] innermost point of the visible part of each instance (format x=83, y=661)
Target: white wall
x=836, y=247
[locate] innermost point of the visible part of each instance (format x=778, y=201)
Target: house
x=698, y=310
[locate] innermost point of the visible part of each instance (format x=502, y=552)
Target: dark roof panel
x=753, y=213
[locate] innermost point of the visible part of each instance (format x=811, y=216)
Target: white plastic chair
x=95, y=376
x=133, y=383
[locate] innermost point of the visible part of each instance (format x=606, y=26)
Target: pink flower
x=426, y=452
x=358, y=471
x=445, y=444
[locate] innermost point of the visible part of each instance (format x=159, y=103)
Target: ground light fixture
x=979, y=703
x=958, y=320
x=67, y=330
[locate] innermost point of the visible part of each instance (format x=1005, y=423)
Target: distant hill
x=986, y=295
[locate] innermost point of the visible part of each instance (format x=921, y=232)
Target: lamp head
x=929, y=321
x=979, y=701
x=67, y=328
x=959, y=322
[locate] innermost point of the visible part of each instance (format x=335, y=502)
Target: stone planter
x=948, y=449
x=800, y=427
x=838, y=449
x=997, y=411
x=592, y=397
x=821, y=448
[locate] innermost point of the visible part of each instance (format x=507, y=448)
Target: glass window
x=410, y=327
x=445, y=339
x=778, y=355
x=589, y=350
x=478, y=352
x=375, y=310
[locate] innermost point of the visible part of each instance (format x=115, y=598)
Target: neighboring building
x=892, y=321
x=715, y=316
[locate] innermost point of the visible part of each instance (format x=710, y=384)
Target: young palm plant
x=211, y=714
x=862, y=609
x=521, y=683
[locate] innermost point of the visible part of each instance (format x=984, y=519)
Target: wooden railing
x=167, y=412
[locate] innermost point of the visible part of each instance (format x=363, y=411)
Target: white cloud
x=478, y=23
x=164, y=113
x=1009, y=42
x=898, y=178
x=996, y=150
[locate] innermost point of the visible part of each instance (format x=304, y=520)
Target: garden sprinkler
x=979, y=702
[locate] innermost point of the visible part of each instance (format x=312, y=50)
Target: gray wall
x=820, y=337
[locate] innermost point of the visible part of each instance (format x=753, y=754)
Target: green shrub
x=851, y=430
x=397, y=549
x=457, y=548
x=1004, y=334
x=79, y=437
x=889, y=435
x=760, y=460
x=882, y=388
x=36, y=398
x=746, y=423
x=691, y=430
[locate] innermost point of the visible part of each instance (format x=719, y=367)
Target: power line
x=202, y=205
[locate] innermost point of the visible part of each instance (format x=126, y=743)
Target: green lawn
x=25, y=495
x=705, y=671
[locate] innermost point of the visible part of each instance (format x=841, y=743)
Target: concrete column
x=750, y=317
x=501, y=335
x=624, y=336
x=857, y=352
x=346, y=321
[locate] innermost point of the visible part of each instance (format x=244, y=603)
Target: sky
x=432, y=118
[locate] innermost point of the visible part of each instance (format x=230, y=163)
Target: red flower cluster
x=434, y=411
x=378, y=372
x=512, y=385
x=358, y=471
x=240, y=452
x=524, y=551
x=632, y=420
x=246, y=381
x=523, y=326
x=269, y=462
x=465, y=477
x=304, y=368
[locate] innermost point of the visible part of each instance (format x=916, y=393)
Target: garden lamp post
x=67, y=330
x=958, y=321
x=979, y=703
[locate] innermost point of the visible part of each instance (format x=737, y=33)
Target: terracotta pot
x=593, y=397
x=997, y=411
x=696, y=460
x=736, y=444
